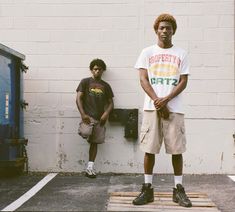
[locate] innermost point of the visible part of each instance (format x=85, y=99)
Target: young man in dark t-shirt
x=94, y=102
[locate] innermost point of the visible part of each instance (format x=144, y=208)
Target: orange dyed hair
x=165, y=17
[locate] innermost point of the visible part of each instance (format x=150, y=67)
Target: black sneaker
x=180, y=197
x=145, y=196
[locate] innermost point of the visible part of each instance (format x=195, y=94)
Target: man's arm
x=107, y=111
x=144, y=81
x=84, y=116
x=161, y=102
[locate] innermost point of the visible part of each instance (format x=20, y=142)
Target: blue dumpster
x=13, y=156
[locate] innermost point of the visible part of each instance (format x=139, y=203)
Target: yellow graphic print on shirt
x=164, y=69
x=96, y=91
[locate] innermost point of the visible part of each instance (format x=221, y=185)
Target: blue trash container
x=13, y=156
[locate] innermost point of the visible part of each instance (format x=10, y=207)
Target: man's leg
x=179, y=194
x=149, y=161
x=92, y=152
x=150, y=142
x=90, y=166
x=177, y=162
x=146, y=194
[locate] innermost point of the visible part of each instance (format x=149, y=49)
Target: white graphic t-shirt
x=164, y=68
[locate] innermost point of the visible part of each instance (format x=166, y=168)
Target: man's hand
x=160, y=103
x=164, y=112
x=103, y=119
x=86, y=119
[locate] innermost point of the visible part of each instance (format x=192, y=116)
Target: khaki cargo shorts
x=93, y=132
x=155, y=130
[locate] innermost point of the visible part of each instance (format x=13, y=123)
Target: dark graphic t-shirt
x=96, y=95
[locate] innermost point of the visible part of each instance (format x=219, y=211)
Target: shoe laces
x=143, y=190
x=182, y=194
x=90, y=170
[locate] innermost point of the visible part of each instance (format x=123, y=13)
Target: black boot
x=179, y=196
x=145, y=196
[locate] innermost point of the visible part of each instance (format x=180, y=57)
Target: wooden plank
x=162, y=209
x=129, y=199
x=122, y=201
x=169, y=202
x=159, y=208
x=132, y=194
x=166, y=202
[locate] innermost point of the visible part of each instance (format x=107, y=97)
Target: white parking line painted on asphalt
x=232, y=177
x=25, y=197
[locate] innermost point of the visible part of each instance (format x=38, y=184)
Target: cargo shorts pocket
x=143, y=133
x=182, y=129
x=85, y=130
x=98, y=135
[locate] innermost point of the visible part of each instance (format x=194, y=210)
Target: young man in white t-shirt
x=163, y=70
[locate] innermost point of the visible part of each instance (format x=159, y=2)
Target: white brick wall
x=61, y=37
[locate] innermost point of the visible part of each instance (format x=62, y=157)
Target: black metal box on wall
x=13, y=155
x=128, y=118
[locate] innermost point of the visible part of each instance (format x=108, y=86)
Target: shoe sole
x=90, y=176
x=186, y=206
x=144, y=203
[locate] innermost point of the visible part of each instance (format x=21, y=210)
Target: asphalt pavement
x=75, y=192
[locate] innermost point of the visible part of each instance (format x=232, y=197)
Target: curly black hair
x=100, y=63
x=165, y=17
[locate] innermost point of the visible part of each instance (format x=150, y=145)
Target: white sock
x=148, y=178
x=178, y=179
x=90, y=165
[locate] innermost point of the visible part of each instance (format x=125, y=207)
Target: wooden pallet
x=122, y=201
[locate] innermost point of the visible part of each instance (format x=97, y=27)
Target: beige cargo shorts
x=93, y=132
x=155, y=130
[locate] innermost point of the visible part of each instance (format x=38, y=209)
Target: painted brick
x=214, y=86
x=35, y=86
x=62, y=86
x=62, y=61
x=119, y=10
x=196, y=60
x=10, y=35
x=128, y=86
x=31, y=100
x=60, y=38
x=226, y=21
x=191, y=34
x=219, y=8
x=211, y=47
x=226, y=99
x=69, y=99
x=6, y=22
x=62, y=73
x=72, y=2
x=211, y=73
x=183, y=44
x=218, y=60
x=121, y=74
x=45, y=142
x=48, y=99
x=200, y=98
x=204, y=21
x=204, y=47
x=209, y=112
x=6, y=1
x=122, y=100
x=219, y=34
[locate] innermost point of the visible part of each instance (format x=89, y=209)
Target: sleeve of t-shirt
x=109, y=91
x=184, y=66
x=141, y=61
x=81, y=86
